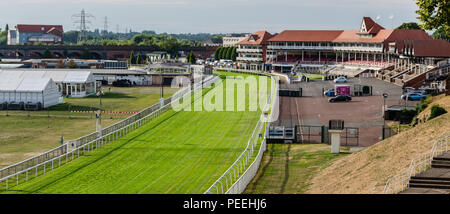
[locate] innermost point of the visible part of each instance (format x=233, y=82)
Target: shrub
x=406, y=116
x=436, y=111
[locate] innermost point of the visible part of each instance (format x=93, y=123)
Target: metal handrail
x=242, y=161
x=419, y=164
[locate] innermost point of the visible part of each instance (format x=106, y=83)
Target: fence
x=75, y=148
x=419, y=164
x=239, y=175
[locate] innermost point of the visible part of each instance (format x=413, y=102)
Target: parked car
x=329, y=93
x=340, y=98
x=340, y=80
x=122, y=83
x=414, y=96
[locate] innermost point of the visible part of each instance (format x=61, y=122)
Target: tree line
x=225, y=53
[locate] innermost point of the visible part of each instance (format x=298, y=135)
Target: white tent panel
x=9, y=84
x=56, y=76
x=33, y=84
x=11, y=74
x=33, y=74
x=78, y=77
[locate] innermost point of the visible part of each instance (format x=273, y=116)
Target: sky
x=210, y=16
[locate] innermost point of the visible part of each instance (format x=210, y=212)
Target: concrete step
x=446, y=166
x=427, y=181
x=430, y=178
x=441, y=162
x=441, y=159
x=430, y=186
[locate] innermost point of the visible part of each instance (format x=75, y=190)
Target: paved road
x=364, y=112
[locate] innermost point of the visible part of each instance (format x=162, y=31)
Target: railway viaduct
x=96, y=51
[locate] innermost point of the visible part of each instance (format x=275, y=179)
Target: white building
x=69, y=82
x=231, y=40
x=28, y=90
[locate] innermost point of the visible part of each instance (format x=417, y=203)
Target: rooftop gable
x=258, y=38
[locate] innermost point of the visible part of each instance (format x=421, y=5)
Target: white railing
x=419, y=164
x=255, y=59
x=241, y=172
x=249, y=50
x=73, y=149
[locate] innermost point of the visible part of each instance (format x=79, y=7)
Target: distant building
x=158, y=56
x=231, y=40
x=213, y=42
x=29, y=34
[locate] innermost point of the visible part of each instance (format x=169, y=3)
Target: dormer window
x=363, y=28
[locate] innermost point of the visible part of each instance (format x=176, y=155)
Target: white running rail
x=419, y=164
x=240, y=173
x=73, y=149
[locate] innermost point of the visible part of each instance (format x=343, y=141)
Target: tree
x=436, y=111
x=440, y=34
x=72, y=64
x=86, y=54
x=191, y=58
x=234, y=54
x=228, y=53
x=47, y=54
x=222, y=52
x=138, y=59
x=409, y=26
x=434, y=14
x=131, y=59
x=216, y=53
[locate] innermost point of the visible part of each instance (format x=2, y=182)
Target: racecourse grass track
x=178, y=152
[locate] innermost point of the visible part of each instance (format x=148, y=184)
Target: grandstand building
x=395, y=55
x=252, y=51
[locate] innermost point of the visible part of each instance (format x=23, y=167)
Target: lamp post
x=161, y=99
x=99, y=113
x=385, y=96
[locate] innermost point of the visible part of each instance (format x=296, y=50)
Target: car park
x=340, y=80
x=340, y=98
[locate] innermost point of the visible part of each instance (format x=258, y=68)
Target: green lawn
x=289, y=168
x=179, y=152
x=22, y=137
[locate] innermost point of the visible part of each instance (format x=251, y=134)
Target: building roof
x=353, y=36
x=306, y=36
x=376, y=34
x=49, y=29
x=259, y=38
x=424, y=48
x=404, y=34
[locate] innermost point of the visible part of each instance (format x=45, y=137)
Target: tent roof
x=63, y=76
x=77, y=77
x=33, y=84
x=24, y=84
x=9, y=84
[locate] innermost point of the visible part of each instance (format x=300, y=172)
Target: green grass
x=289, y=168
x=179, y=152
x=22, y=137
